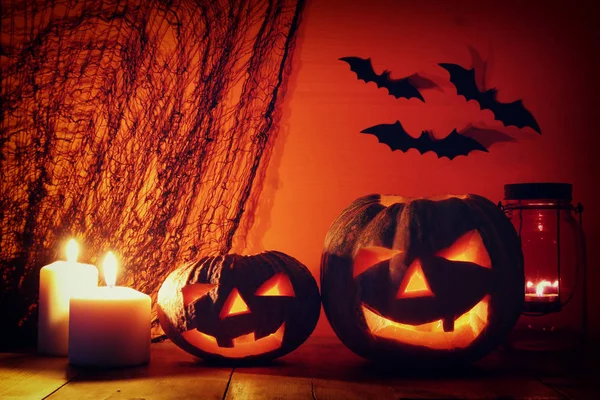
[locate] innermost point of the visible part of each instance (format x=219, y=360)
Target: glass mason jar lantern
x=554, y=311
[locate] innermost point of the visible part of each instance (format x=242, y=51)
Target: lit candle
x=110, y=325
x=60, y=281
x=543, y=291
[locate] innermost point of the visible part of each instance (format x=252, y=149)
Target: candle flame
x=110, y=269
x=541, y=287
x=72, y=251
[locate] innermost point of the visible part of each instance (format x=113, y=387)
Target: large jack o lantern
x=434, y=279
x=240, y=307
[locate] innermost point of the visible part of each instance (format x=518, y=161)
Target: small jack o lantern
x=434, y=279
x=240, y=307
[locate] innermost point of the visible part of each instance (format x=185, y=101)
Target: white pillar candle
x=60, y=281
x=110, y=325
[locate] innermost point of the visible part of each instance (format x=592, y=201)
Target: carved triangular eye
x=234, y=305
x=366, y=257
x=414, y=283
x=469, y=248
x=278, y=285
x=195, y=291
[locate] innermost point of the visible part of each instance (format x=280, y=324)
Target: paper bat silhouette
x=455, y=144
x=407, y=87
x=508, y=113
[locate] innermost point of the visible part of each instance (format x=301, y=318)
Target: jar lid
x=538, y=190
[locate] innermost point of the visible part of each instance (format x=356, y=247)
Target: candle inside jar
x=541, y=291
x=110, y=325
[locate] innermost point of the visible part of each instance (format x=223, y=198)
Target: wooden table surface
x=322, y=368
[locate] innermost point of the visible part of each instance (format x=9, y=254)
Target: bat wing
x=396, y=87
x=486, y=137
x=392, y=135
x=508, y=113
x=396, y=137
x=363, y=68
x=464, y=81
x=403, y=88
x=454, y=145
x=514, y=114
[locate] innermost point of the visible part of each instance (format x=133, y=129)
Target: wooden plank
x=340, y=374
x=586, y=388
x=577, y=375
x=476, y=388
x=29, y=376
x=332, y=389
x=171, y=374
x=322, y=369
x=288, y=377
x=245, y=386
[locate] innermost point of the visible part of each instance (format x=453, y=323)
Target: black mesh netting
x=134, y=125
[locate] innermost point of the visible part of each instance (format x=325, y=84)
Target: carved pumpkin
x=240, y=307
x=432, y=279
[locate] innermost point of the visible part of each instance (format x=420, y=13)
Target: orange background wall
x=541, y=52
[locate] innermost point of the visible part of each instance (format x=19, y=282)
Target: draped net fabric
x=141, y=126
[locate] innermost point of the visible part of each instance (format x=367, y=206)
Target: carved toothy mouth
x=467, y=328
x=243, y=346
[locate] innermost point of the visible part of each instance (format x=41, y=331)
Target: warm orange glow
x=234, y=305
x=467, y=328
x=366, y=257
x=414, y=283
x=542, y=288
x=195, y=291
x=470, y=248
x=249, y=338
x=278, y=285
x=539, y=290
x=72, y=251
x=243, y=346
x=110, y=269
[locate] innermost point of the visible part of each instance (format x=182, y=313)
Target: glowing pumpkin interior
x=234, y=305
x=366, y=257
x=278, y=285
x=244, y=345
x=468, y=248
x=414, y=284
x=466, y=327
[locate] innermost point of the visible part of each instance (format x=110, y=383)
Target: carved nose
x=414, y=283
x=234, y=305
